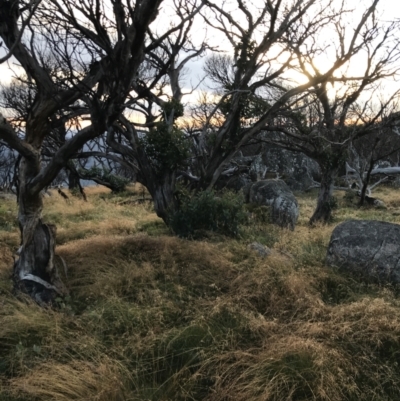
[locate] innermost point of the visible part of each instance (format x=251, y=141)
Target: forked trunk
x=365, y=183
x=35, y=272
x=325, y=200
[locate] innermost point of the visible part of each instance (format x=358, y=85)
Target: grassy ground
x=155, y=317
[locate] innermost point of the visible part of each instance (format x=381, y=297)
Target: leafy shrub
x=166, y=144
x=167, y=147
x=206, y=211
x=259, y=214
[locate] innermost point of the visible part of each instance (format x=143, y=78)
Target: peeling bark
x=117, y=64
x=35, y=272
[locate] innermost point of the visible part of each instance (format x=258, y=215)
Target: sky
x=390, y=10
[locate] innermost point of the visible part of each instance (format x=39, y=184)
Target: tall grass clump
x=154, y=317
x=222, y=213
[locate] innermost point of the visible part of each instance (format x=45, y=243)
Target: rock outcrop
x=233, y=183
x=297, y=170
x=368, y=249
x=277, y=195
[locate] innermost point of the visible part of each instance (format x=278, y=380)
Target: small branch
x=188, y=175
x=386, y=170
x=35, y=4
x=8, y=134
x=378, y=183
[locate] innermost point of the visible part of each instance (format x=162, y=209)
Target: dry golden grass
x=105, y=214
x=78, y=380
x=9, y=234
x=155, y=317
x=5, y=259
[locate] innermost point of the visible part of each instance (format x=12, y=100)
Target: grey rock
x=379, y=204
x=298, y=170
x=261, y=249
x=375, y=202
x=234, y=183
x=260, y=162
x=257, y=169
x=275, y=193
x=285, y=211
x=300, y=180
x=368, y=249
x=264, y=192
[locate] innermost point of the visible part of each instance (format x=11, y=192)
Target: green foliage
x=115, y=182
x=250, y=105
x=166, y=146
x=259, y=227
x=153, y=228
x=311, y=253
x=244, y=51
x=259, y=214
x=175, y=107
x=206, y=211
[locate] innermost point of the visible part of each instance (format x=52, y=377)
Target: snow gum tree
x=348, y=106
x=158, y=148
x=279, y=44
x=96, y=54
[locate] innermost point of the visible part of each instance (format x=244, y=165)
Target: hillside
x=154, y=317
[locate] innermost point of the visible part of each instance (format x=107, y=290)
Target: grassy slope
x=154, y=317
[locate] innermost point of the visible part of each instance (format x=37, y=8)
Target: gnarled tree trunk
x=35, y=272
x=73, y=179
x=163, y=192
x=324, y=207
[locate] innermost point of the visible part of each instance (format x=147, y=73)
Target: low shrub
x=207, y=211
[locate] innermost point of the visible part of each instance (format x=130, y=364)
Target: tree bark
x=35, y=272
x=365, y=183
x=324, y=207
x=73, y=179
x=162, y=191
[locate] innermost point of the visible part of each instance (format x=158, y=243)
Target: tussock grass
x=9, y=233
x=105, y=214
x=154, y=317
x=8, y=222
x=78, y=380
